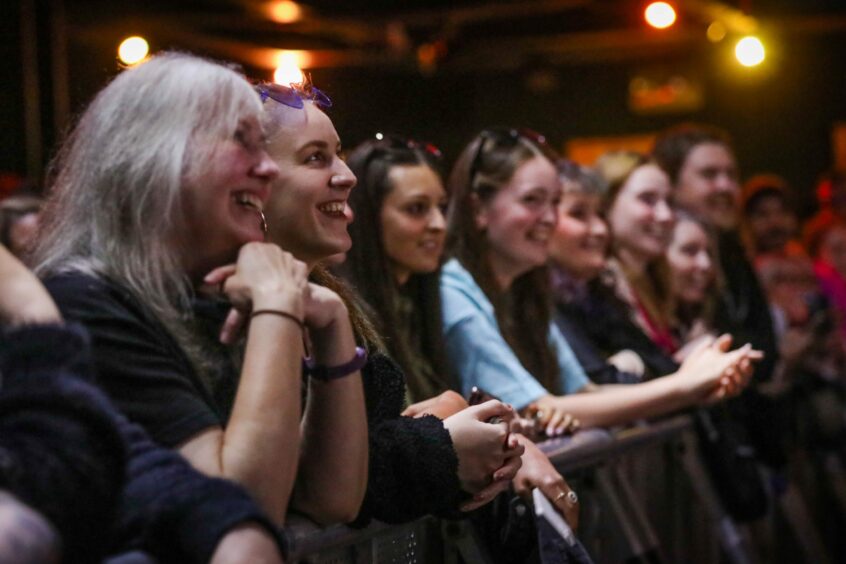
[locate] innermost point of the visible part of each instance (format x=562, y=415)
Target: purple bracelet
x=327, y=373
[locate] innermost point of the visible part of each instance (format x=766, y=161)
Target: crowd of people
x=236, y=320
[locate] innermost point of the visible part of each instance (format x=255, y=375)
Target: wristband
x=328, y=373
x=279, y=313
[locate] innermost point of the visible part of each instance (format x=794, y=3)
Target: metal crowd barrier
x=645, y=497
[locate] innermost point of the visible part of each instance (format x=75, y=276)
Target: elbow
x=332, y=512
x=336, y=508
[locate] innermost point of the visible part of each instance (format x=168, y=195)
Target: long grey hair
x=114, y=208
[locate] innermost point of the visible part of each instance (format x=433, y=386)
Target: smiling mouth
x=431, y=245
x=254, y=203
x=249, y=200
x=336, y=209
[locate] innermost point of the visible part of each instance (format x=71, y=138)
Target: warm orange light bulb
x=660, y=15
x=288, y=69
x=284, y=11
x=750, y=51
x=133, y=50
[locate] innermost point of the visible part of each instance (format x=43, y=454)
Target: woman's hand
x=711, y=372
x=488, y=455
x=322, y=307
x=264, y=277
x=538, y=472
x=551, y=419
x=692, y=345
x=445, y=405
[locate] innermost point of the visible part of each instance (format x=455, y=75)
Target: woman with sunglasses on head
x=394, y=264
x=505, y=193
x=162, y=182
x=417, y=466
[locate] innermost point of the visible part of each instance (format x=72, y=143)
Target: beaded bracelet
x=284, y=314
x=328, y=373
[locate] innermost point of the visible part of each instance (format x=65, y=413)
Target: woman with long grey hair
x=162, y=183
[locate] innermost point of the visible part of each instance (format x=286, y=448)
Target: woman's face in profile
x=520, y=218
x=223, y=200
x=691, y=262
x=308, y=212
x=641, y=219
x=581, y=237
x=412, y=220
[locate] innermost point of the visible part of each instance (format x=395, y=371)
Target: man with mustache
x=703, y=170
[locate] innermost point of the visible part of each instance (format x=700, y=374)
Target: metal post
x=59, y=67
x=729, y=535
x=31, y=92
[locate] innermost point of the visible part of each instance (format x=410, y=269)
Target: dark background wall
x=781, y=115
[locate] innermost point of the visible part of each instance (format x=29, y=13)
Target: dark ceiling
x=437, y=35
x=440, y=70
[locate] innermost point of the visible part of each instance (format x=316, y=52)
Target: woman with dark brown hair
x=416, y=465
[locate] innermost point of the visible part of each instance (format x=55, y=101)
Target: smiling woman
x=398, y=242
x=417, y=465
x=641, y=221
x=693, y=277
x=185, y=201
x=306, y=151
x=496, y=318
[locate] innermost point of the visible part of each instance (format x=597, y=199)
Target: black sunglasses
x=399, y=142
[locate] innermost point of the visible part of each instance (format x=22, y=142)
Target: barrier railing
x=428, y=540
x=645, y=498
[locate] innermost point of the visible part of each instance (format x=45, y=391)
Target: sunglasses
x=293, y=97
x=387, y=141
x=384, y=144
x=505, y=137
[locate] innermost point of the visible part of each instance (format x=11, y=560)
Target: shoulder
x=106, y=309
x=84, y=296
x=461, y=296
x=453, y=274
x=70, y=283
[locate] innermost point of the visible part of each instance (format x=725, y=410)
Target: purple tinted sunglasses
x=293, y=96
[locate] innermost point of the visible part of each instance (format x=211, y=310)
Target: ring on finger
x=570, y=496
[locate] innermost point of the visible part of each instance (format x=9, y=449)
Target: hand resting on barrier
x=553, y=421
x=538, y=472
x=488, y=455
x=711, y=373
